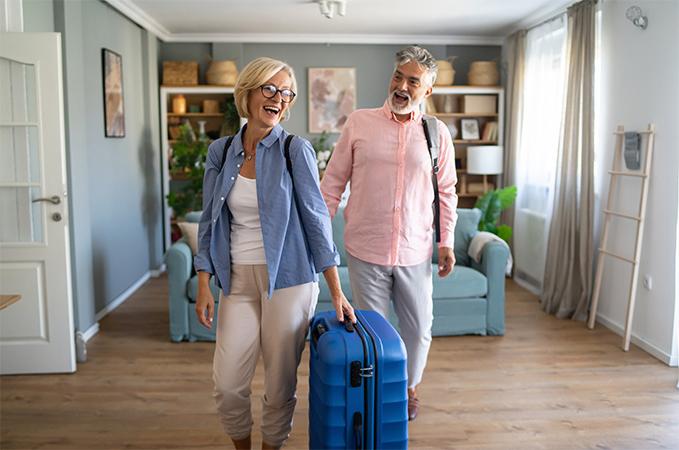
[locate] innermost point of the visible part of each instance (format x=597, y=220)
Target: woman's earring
x=286, y=116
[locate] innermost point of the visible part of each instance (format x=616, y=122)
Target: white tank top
x=247, y=246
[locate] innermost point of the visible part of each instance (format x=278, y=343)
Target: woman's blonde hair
x=256, y=73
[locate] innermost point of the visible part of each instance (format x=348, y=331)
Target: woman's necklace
x=249, y=156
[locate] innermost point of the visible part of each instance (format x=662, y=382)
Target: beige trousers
x=249, y=323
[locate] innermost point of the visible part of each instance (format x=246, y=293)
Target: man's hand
x=446, y=261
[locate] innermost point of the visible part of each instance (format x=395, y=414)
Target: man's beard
x=406, y=108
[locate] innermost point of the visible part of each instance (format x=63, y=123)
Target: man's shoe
x=413, y=406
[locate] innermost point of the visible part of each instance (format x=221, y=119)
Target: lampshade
x=484, y=159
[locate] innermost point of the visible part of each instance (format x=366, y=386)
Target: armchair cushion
x=464, y=282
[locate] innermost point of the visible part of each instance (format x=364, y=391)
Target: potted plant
x=491, y=205
x=323, y=149
x=188, y=165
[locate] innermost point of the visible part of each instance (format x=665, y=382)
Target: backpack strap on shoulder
x=431, y=132
x=288, y=160
x=227, y=144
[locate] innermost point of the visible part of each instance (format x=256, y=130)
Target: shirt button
x=214, y=220
x=222, y=198
x=232, y=178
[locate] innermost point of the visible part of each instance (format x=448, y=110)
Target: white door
x=36, y=331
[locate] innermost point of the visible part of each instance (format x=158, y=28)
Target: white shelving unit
x=193, y=94
x=449, y=109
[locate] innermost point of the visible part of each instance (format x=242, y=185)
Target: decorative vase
x=483, y=73
x=446, y=73
x=179, y=104
x=222, y=73
x=202, y=136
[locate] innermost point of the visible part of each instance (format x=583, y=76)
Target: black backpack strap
x=227, y=144
x=431, y=132
x=288, y=161
x=288, y=164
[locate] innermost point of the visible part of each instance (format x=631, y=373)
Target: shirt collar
x=268, y=140
x=389, y=114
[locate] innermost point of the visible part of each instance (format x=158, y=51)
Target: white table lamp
x=484, y=160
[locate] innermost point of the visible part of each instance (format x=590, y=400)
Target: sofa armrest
x=493, y=263
x=179, y=261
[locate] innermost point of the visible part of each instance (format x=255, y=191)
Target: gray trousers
x=374, y=286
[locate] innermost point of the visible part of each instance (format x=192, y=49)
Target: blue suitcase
x=358, y=383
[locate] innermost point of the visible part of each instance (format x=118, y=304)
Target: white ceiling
x=423, y=21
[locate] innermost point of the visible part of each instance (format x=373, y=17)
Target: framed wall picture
x=332, y=97
x=114, y=110
x=470, y=129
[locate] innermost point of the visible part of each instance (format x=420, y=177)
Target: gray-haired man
x=389, y=217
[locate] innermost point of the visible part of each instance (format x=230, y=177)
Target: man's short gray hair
x=421, y=56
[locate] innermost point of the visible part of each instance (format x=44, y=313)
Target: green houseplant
x=491, y=205
x=323, y=149
x=188, y=164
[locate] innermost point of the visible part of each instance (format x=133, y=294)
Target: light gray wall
x=38, y=15
x=373, y=63
x=639, y=86
x=114, y=182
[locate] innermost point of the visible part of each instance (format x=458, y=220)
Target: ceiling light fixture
x=329, y=7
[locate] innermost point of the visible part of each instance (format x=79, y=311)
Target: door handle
x=55, y=200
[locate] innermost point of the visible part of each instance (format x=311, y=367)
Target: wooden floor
x=547, y=384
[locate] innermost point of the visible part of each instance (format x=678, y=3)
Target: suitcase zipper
x=369, y=371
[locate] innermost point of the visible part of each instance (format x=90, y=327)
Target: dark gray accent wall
x=374, y=64
x=465, y=54
x=180, y=51
x=38, y=15
x=116, y=228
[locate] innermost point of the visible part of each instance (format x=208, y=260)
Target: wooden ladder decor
x=615, y=173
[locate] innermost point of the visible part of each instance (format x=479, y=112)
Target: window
x=544, y=84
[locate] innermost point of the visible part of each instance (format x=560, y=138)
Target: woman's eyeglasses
x=270, y=91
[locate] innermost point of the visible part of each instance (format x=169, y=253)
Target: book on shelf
x=490, y=132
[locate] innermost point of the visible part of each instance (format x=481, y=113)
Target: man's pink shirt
x=389, y=216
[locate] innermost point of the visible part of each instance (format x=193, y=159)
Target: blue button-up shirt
x=290, y=258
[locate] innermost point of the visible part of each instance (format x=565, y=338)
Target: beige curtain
x=568, y=271
x=516, y=59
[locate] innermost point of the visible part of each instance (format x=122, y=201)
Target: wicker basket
x=222, y=73
x=483, y=73
x=180, y=73
x=446, y=73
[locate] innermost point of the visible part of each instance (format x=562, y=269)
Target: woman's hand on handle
x=342, y=306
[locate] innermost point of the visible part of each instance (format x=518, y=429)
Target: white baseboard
x=91, y=332
x=159, y=271
x=636, y=340
x=122, y=297
x=527, y=286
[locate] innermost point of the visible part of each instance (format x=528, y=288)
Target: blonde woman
x=264, y=235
